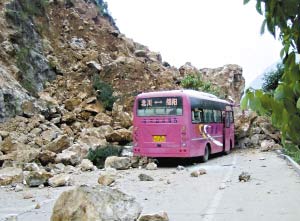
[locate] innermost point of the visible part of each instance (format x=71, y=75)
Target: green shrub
x=23, y=9
x=292, y=150
x=104, y=93
x=194, y=82
x=99, y=155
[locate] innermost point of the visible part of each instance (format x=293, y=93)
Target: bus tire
x=205, y=157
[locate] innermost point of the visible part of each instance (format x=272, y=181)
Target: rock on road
x=272, y=193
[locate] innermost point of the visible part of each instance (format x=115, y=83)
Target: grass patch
x=104, y=92
x=293, y=151
x=99, y=155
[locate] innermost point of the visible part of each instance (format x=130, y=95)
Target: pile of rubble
x=256, y=131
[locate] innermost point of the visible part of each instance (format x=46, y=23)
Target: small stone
x=180, y=167
x=202, y=171
x=106, y=179
x=86, y=165
x=28, y=196
x=168, y=182
x=145, y=177
x=59, y=180
x=162, y=216
x=19, y=187
x=12, y=217
x=37, y=206
x=222, y=186
x=244, y=177
x=194, y=174
x=151, y=166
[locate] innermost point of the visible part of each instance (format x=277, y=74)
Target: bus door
x=227, y=130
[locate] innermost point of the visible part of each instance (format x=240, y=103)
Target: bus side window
x=197, y=116
x=201, y=119
x=207, y=116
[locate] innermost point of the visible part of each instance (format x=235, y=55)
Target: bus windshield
x=159, y=106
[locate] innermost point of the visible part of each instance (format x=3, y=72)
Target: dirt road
x=273, y=192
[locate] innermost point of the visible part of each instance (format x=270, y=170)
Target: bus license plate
x=159, y=138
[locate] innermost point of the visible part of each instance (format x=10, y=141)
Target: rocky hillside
x=68, y=78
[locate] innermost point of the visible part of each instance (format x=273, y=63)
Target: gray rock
x=267, y=145
x=162, y=216
x=46, y=157
x=60, y=180
x=9, y=175
x=95, y=203
x=94, y=65
x=67, y=157
x=36, y=178
x=255, y=139
x=102, y=119
x=31, y=167
x=145, y=177
x=119, y=163
x=86, y=165
x=107, y=177
x=77, y=43
x=120, y=135
x=244, y=177
x=140, y=53
x=59, y=144
x=151, y=166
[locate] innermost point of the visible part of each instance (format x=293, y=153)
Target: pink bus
x=182, y=123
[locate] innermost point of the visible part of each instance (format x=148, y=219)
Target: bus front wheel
x=205, y=157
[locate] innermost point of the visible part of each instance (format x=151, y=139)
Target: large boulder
x=162, y=216
x=12, y=95
x=59, y=144
x=9, y=175
x=120, y=115
x=60, y=180
x=102, y=119
x=81, y=150
x=121, y=136
x=86, y=165
x=36, y=178
x=99, y=203
x=25, y=155
x=46, y=157
x=119, y=163
x=228, y=78
x=9, y=145
x=67, y=157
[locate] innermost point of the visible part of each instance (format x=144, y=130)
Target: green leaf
x=263, y=26
x=244, y=102
x=298, y=103
x=282, y=53
x=246, y=2
x=258, y=7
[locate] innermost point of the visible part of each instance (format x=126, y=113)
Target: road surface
x=273, y=192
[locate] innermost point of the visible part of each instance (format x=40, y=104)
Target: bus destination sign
x=160, y=102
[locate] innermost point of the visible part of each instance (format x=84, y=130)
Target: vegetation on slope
x=282, y=19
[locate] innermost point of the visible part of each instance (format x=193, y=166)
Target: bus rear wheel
x=205, y=157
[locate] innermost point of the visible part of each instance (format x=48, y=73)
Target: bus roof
x=187, y=92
